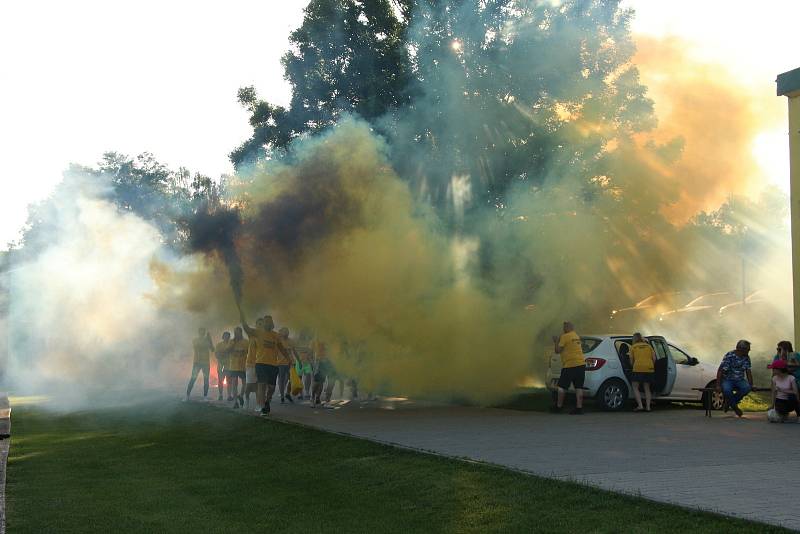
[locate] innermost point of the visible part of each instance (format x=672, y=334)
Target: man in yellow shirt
x=236, y=366
x=270, y=346
x=221, y=354
x=573, y=367
x=251, y=381
x=643, y=359
x=202, y=347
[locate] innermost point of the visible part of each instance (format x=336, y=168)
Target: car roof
x=620, y=336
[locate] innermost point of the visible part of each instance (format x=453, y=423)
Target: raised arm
x=210, y=343
x=246, y=327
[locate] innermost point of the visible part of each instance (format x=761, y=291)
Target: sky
x=84, y=77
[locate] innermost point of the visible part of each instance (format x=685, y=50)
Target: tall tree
x=474, y=96
x=349, y=56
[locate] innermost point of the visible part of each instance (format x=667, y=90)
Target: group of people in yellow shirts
x=267, y=360
x=573, y=369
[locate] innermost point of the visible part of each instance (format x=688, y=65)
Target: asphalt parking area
x=723, y=464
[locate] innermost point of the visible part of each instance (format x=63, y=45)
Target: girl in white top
x=784, y=389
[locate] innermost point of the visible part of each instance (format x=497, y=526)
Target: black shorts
x=572, y=375
x=325, y=370
x=643, y=378
x=786, y=406
x=266, y=373
x=238, y=374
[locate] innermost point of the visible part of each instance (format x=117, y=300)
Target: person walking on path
x=302, y=349
x=251, y=381
x=236, y=366
x=573, y=367
x=784, y=390
x=284, y=363
x=643, y=358
x=202, y=347
x=269, y=346
x=323, y=372
x=222, y=353
x=734, y=378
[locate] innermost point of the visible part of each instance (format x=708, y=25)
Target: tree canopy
x=485, y=90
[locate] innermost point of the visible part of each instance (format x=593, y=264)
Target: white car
x=608, y=371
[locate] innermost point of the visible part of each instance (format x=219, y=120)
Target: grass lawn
x=172, y=467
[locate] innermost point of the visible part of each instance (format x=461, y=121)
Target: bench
x=707, y=398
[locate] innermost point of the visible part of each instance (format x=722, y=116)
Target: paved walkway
x=723, y=464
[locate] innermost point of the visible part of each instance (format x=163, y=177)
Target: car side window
x=623, y=349
x=660, y=348
x=678, y=355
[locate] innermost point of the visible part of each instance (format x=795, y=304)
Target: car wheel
x=716, y=397
x=612, y=395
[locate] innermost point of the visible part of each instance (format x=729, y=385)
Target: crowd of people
x=734, y=378
x=265, y=362
x=270, y=361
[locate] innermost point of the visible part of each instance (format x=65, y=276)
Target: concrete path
x=723, y=464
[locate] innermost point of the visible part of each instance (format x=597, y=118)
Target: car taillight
x=593, y=364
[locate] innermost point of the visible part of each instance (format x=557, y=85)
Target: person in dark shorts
x=323, y=369
x=643, y=361
x=251, y=381
x=784, y=390
x=285, y=361
x=236, y=366
x=202, y=347
x=573, y=367
x=270, y=346
x=222, y=353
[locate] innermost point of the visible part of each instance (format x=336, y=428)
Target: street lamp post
x=789, y=86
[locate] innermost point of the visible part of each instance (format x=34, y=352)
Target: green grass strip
x=171, y=467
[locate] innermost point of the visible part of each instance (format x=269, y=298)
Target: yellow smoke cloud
x=387, y=280
x=716, y=116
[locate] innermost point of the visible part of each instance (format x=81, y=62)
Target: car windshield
x=662, y=300
x=588, y=344
x=712, y=299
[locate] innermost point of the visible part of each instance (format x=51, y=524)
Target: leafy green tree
x=142, y=185
x=348, y=56
x=497, y=92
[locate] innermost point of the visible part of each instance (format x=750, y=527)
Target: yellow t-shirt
x=221, y=351
x=642, y=358
x=571, y=351
x=269, y=345
x=252, y=350
x=202, y=349
x=238, y=354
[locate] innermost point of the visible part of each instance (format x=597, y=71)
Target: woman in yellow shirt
x=643, y=359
